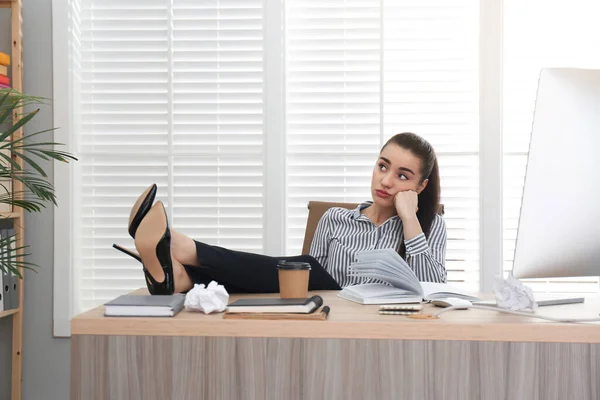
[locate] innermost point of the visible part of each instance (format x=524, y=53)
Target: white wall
x=45, y=359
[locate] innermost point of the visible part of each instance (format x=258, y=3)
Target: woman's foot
x=140, y=209
x=153, y=242
x=182, y=280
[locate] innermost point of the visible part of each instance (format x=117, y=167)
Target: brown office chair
x=316, y=209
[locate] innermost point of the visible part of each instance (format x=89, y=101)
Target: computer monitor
x=559, y=226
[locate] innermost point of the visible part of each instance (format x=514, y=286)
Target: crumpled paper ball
x=511, y=294
x=213, y=298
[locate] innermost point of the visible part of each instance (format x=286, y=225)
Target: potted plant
x=38, y=192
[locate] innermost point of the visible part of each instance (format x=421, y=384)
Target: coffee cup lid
x=293, y=265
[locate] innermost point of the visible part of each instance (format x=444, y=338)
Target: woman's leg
x=239, y=271
x=196, y=262
x=183, y=249
x=182, y=280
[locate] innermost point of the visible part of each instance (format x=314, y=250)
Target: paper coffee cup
x=293, y=279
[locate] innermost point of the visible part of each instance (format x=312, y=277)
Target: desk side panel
x=125, y=367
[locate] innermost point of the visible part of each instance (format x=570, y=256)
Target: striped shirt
x=341, y=234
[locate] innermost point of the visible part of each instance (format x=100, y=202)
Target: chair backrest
x=316, y=209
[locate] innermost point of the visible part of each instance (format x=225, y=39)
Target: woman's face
x=397, y=170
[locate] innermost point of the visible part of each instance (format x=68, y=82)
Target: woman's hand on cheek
x=407, y=203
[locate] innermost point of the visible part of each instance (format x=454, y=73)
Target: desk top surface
x=349, y=320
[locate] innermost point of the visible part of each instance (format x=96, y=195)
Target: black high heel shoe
x=153, y=241
x=130, y=253
x=150, y=282
x=141, y=208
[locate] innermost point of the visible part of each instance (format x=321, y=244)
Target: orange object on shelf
x=4, y=59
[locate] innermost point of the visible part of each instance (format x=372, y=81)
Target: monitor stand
x=551, y=299
x=543, y=299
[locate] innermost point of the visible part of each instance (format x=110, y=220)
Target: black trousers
x=241, y=272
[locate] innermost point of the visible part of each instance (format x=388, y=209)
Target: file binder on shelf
x=14, y=279
x=6, y=278
x=6, y=185
x=2, y=292
x=6, y=292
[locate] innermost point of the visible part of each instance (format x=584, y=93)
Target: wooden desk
x=356, y=354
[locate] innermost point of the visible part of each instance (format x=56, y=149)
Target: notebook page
x=433, y=290
x=400, y=281
x=387, y=269
x=390, y=262
x=375, y=274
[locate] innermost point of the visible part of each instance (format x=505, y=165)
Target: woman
x=403, y=215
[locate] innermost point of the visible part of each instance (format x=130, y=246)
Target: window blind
x=565, y=34
x=359, y=72
x=171, y=93
x=333, y=73
x=431, y=87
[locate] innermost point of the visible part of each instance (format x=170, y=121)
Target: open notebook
x=401, y=284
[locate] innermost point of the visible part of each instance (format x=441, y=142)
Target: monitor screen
x=559, y=225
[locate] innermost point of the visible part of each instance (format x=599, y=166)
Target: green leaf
x=32, y=164
x=7, y=113
x=4, y=98
x=60, y=155
x=26, y=137
x=39, y=150
x=12, y=257
x=18, y=124
x=37, y=191
x=9, y=159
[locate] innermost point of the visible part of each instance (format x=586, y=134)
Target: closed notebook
x=318, y=315
x=130, y=305
x=275, y=305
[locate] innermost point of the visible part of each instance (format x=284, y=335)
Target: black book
x=276, y=305
x=131, y=305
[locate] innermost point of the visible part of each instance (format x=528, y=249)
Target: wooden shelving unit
x=7, y=313
x=11, y=215
x=15, y=7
